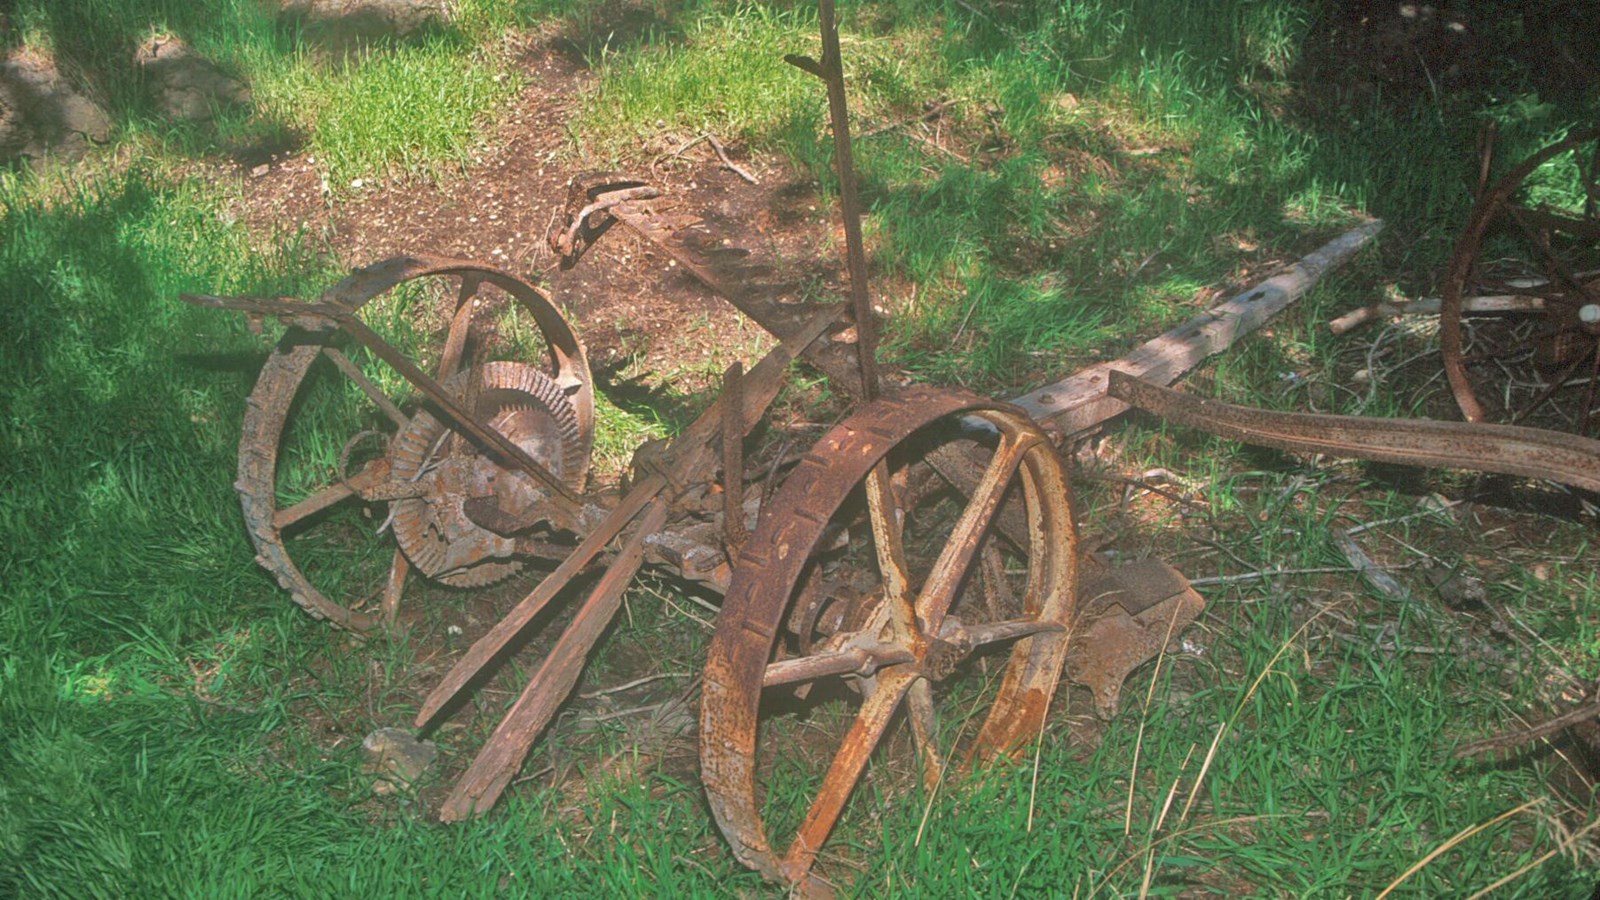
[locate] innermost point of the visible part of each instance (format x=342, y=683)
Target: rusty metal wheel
x=948, y=609
x=335, y=448
x=1540, y=368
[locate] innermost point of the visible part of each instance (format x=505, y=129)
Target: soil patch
x=631, y=304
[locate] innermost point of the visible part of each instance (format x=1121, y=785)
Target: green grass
x=174, y=726
x=409, y=109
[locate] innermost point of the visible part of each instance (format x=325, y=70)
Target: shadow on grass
x=107, y=425
x=97, y=47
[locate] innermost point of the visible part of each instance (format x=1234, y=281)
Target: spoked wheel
x=339, y=444
x=1541, y=368
x=861, y=600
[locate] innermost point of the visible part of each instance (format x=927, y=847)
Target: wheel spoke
x=925, y=729
x=398, y=571
x=888, y=535
x=976, y=636
x=949, y=570
x=1556, y=264
x=1549, y=391
x=1586, y=421
x=400, y=419
x=859, y=742
x=455, y=344
x=371, y=475
x=857, y=660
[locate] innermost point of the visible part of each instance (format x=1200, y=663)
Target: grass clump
x=725, y=75
x=412, y=111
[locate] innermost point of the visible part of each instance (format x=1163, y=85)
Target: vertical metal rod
x=733, y=458
x=832, y=73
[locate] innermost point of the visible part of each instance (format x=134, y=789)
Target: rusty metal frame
x=310, y=337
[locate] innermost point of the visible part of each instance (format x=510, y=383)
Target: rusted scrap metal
x=1573, y=316
x=733, y=459
x=831, y=70
x=899, y=637
x=1128, y=614
x=584, y=220
x=1080, y=402
x=646, y=507
x=543, y=481
x=1504, y=449
x=728, y=271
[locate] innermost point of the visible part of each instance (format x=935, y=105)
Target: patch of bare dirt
x=630, y=302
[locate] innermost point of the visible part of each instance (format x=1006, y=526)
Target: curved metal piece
x=1465, y=256
x=1507, y=449
x=915, y=631
x=268, y=408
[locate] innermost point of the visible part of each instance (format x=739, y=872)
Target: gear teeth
x=283, y=376
x=412, y=448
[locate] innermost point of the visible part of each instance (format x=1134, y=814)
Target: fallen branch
x=1377, y=576
x=722, y=154
x=1532, y=733
x=931, y=112
x=716, y=145
x=1266, y=573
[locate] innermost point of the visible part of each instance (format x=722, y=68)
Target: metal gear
x=433, y=529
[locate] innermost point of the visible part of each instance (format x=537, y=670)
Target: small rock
x=357, y=183
x=260, y=171
x=1457, y=589
x=397, y=758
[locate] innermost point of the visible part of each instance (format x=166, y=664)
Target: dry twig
x=1533, y=732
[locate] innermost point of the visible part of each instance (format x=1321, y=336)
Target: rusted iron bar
x=859, y=660
x=733, y=459
x=315, y=316
x=343, y=364
x=868, y=658
x=673, y=233
x=488, y=647
x=371, y=475
x=505, y=750
x=1506, y=449
x=831, y=71
x=1079, y=402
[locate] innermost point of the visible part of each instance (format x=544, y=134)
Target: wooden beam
x=1079, y=402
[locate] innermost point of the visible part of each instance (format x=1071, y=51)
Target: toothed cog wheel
x=434, y=530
